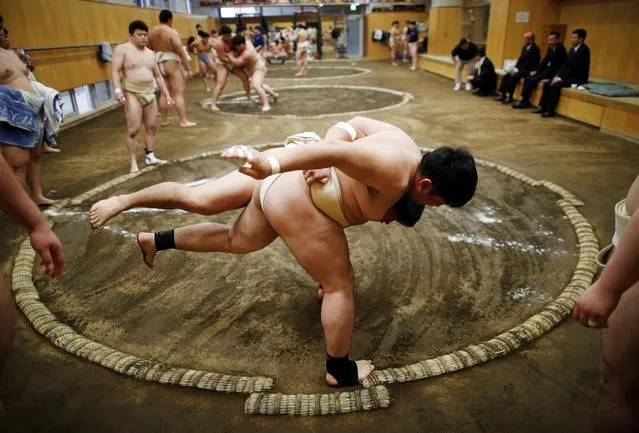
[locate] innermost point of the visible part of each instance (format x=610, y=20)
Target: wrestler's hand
x=169, y=101
x=48, y=247
x=320, y=176
x=256, y=165
x=120, y=97
x=189, y=74
x=595, y=305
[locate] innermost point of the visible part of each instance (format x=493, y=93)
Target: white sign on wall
x=522, y=17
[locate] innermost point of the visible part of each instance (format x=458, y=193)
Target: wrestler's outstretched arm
x=372, y=160
x=15, y=202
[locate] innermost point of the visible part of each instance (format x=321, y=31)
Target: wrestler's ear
x=425, y=185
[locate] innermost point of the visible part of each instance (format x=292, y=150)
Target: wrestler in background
x=165, y=41
x=137, y=64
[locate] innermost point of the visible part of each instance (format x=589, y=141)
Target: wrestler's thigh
x=133, y=111
x=257, y=79
x=222, y=74
x=18, y=160
x=317, y=242
x=232, y=191
x=175, y=76
x=240, y=73
x=150, y=114
x=620, y=345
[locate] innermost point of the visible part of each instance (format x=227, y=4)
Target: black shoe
x=482, y=94
x=500, y=98
x=548, y=114
x=508, y=100
x=539, y=111
x=521, y=104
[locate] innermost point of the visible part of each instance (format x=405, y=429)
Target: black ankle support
x=343, y=370
x=164, y=240
x=147, y=151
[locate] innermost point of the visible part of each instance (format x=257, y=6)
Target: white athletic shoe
x=151, y=159
x=457, y=87
x=469, y=87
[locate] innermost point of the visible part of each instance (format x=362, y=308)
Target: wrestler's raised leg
x=176, y=81
x=229, y=192
x=320, y=246
x=250, y=232
x=34, y=177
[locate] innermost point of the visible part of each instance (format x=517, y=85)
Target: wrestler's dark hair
x=395, y=22
x=213, y=32
x=453, y=173
x=189, y=41
x=238, y=40
x=165, y=16
x=226, y=30
x=462, y=41
x=198, y=26
x=203, y=34
x=138, y=25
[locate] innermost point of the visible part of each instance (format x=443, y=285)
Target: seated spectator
x=527, y=62
x=575, y=70
x=485, y=78
x=464, y=54
x=550, y=65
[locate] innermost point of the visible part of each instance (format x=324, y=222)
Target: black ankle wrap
x=164, y=240
x=343, y=370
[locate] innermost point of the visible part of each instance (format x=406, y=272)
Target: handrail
x=67, y=47
x=72, y=47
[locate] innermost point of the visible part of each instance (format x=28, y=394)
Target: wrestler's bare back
x=13, y=73
x=138, y=64
x=163, y=38
x=302, y=36
x=362, y=202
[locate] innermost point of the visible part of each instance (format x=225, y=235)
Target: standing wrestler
x=301, y=55
x=21, y=121
x=202, y=48
x=394, y=41
x=165, y=41
x=254, y=64
x=137, y=64
x=223, y=46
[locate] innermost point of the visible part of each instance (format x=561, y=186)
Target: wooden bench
x=617, y=115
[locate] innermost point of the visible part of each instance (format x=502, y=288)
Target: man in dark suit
x=550, y=65
x=527, y=62
x=575, y=70
x=485, y=78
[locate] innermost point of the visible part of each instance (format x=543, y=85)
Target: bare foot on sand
x=43, y=201
x=266, y=108
x=165, y=123
x=104, y=210
x=364, y=368
x=276, y=98
x=146, y=242
x=187, y=124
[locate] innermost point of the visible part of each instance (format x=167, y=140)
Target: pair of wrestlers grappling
x=376, y=173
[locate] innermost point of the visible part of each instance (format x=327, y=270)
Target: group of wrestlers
x=156, y=59
x=306, y=192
